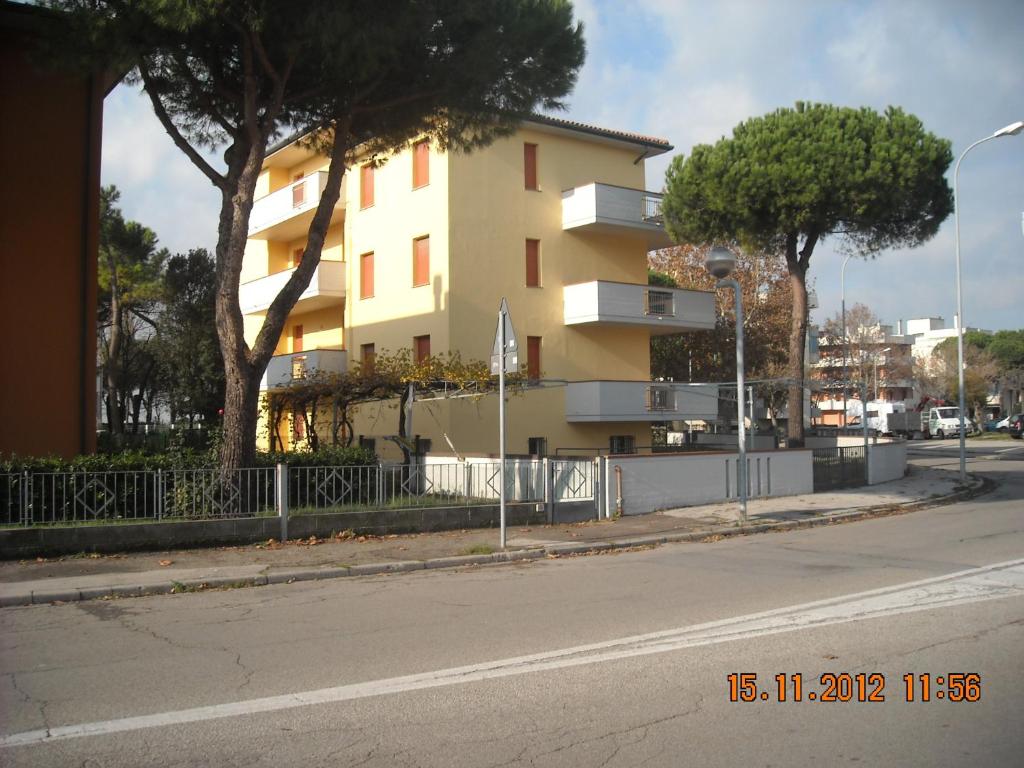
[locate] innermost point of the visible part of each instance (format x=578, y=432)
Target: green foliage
x=816, y=170
x=787, y=180
x=192, y=369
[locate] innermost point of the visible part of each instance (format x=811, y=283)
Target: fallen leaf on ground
x=165, y=563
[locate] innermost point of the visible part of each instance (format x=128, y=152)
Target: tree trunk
x=243, y=367
x=112, y=372
x=797, y=262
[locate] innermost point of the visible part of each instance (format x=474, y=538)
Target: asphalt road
x=611, y=660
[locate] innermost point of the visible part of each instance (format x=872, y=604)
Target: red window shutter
x=366, y=275
x=365, y=186
x=530, y=165
x=421, y=261
x=420, y=164
x=298, y=191
x=297, y=256
x=421, y=347
x=297, y=338
x=533, y=357
x=533, y=263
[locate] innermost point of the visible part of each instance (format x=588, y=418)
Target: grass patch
x=478, y=549
x=990, y=436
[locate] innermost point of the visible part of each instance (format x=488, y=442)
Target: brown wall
x=49, y=211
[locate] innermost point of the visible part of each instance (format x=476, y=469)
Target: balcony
x=605, y=208
x=662, y=310
x=639, y=401
x=284, y=369
x=287, y=213
x=326, y=288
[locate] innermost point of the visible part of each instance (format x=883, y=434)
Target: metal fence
x=62, y=498
x=46, y=498
x=836, y=468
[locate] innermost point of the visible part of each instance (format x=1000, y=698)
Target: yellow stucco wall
x=478, y=216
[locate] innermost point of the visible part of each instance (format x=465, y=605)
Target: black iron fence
x=836, y=468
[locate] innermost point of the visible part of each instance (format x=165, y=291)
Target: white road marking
x=1010, y=450
x=991, y=582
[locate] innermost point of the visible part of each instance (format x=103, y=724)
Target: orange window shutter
x=421, y=261
x=420, y=164
x=533, y=263
x=297, y=338
x=298, y=191
x=366, y=275
x=530, y=165
x=366, y=186
x=533, y=357
x=297, y=256
x=368, y=355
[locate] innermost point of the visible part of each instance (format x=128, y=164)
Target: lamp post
x=720, y=262
x=1009, y=130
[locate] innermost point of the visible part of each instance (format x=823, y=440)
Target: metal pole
x=501, y=419
x=1010, y=130
x=741, y=438
x=846, y=342
x=753, y=421
x=864, y=424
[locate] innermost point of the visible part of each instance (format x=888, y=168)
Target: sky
x=689, y=71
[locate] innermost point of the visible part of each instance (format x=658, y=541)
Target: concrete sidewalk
x=90, y=576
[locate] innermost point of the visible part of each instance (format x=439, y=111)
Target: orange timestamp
x=853, y=686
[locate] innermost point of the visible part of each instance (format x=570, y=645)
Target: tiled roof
x=572, y=125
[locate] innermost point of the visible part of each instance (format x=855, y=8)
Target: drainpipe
x=618, y=490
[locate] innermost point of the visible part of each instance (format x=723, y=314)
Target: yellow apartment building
x=423, y=247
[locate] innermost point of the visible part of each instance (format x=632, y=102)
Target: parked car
x=1016, y=428
x=1004, y=425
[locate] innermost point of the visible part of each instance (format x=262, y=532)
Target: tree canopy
x=348, y=77
x=790, y=179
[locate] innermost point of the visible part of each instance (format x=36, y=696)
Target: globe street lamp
x=1010, y=130
x=720, y=262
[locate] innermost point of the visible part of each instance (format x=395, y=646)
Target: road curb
x=40, y=597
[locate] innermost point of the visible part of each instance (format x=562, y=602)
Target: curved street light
x=1009, y=130
x=720, y=262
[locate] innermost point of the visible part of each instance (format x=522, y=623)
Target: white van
x=945, y=420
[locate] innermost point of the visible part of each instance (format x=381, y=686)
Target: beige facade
x=593, y=224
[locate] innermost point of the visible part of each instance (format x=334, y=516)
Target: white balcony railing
x=608, y=208
x=285, y=213
x=284, y=369
x=662, y=310
x=639, y=401
x=326, y=288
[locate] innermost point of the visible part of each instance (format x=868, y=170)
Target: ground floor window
x=538, y=446
x=622, y=444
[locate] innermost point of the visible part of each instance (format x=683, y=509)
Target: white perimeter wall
x=887, y=461
x=650, y=483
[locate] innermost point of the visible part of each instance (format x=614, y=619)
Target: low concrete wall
x=650, y=483
x=18, y=543
x=754, y=442
x=887, y=461
x=844, y=441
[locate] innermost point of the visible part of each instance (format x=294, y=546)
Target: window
x=538, y=446
x=533, y=357
x=530, y=165
x=421, y=348
x=369, y=443
x=297, y=256
x=298, y=191
x=532, y=263
x=622, y=444
x=297, y=338
x=368, y=354
x=421, y=261
x=366, y=275
x=420, y=164
x=660, y=399
x=365, y=186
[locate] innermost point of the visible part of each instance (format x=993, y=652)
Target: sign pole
x=501, y=416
